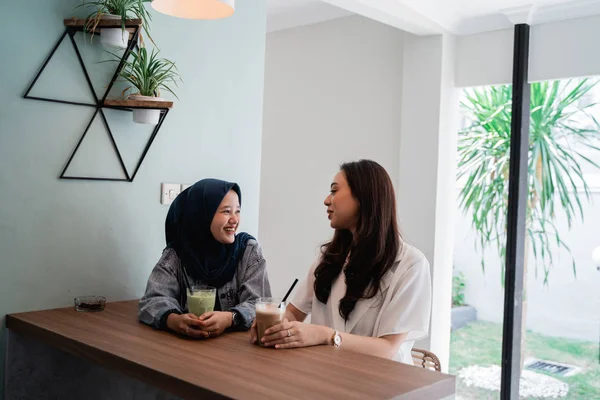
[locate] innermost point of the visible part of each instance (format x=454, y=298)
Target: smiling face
x=342, y=207
x=226, y=219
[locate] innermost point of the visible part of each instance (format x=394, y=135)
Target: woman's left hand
x=215, y=322
x=293, y=334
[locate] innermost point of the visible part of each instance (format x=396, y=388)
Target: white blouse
x=403, y=304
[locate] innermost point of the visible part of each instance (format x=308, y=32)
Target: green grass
x=480, y=343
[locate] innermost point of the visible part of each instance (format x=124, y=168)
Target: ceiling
x=424, y=17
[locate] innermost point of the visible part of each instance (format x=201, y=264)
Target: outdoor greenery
x=560, y=126
x=458, y=290
x=480, y=343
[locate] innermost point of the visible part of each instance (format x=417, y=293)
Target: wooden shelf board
x=103, y=23
x=138, y=103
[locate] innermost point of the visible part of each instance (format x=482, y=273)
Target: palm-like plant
x=559, y=129
x=126, y=9
x=148, y=74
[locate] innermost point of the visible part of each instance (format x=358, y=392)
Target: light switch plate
x=168, y=192
x=184, y=186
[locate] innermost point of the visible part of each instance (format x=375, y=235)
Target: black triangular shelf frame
x=78, y=25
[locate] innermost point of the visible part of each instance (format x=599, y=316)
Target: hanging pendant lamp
x=195, y=9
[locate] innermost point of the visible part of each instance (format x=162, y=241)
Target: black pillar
x=517, y=209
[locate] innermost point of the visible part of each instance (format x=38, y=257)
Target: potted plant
x=148, y=75
x=117, y=10
x=461, y=313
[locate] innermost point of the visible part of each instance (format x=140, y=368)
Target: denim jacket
x=166, y=288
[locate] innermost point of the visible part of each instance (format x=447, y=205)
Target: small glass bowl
x=90, y=303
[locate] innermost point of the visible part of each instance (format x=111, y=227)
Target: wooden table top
x=227, y=366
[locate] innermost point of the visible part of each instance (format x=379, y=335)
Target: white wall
x=557, y=50
x=484, y=58
x=427, y=169
x=568, y=306
x=60, y=239
x=332, y=94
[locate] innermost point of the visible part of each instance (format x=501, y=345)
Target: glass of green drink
x=201, y=299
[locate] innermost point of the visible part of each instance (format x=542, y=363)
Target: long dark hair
x=377, y=242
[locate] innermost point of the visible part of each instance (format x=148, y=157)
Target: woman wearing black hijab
x=203, y=249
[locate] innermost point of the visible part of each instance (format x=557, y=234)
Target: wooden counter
x=224, y=367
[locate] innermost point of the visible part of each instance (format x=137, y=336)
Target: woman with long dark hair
x=369, y=291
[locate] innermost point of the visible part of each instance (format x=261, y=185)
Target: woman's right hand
x=186, y=324
x=253, y=333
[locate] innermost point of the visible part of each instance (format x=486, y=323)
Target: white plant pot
x=146, y=115
x=114, y=37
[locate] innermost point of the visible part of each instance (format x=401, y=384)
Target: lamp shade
x=195, y=9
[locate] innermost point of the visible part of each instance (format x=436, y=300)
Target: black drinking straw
x=288, y=292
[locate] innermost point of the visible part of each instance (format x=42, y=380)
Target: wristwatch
x=235, y=316
x=336, y=339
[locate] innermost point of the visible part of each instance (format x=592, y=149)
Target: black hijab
x=187, y=231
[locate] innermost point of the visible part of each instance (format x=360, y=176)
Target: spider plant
x=148, y=74
x=126, y=9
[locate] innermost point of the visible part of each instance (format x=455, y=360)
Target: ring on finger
x=289, y=333
x=187, y=329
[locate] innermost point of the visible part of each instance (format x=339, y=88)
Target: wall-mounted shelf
x=131, y=25
x=72, y=26
x=117, y=103
x=102, y=23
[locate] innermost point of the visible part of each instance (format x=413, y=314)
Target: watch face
x=337, y=340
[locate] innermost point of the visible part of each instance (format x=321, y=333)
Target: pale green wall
x=59, y=239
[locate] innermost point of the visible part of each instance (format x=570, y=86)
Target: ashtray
x=90, y=303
